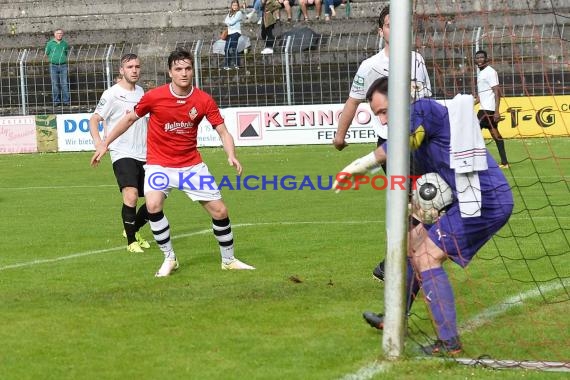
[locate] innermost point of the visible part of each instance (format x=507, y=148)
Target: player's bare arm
x=120, y=128
x=361, y=165
x=348, y=112
x=229, y=147
x=497, y=92
x=94, y=121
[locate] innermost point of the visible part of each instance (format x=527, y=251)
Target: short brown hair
x=180, y=55
x=383, y=13
x=379, y=85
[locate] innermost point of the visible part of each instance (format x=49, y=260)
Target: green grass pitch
x=75, y=305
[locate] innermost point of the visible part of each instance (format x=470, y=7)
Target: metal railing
x=304, y=69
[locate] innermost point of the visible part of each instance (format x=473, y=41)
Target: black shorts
x=486, y=119
x=130, y=173
x=291, y=3
x=381, y=140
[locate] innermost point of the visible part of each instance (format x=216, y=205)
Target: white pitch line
x=517, y=300
x=83, y=254
x=368, y=371
x=107, y=250
x=62, y=187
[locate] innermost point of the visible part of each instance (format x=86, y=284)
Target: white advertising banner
x=73, y=132
x=255, y=126
x=289, y=125
x=18, y=134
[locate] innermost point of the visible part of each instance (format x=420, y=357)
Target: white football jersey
x=377, y=67
x=486, y=80
x=115, y=103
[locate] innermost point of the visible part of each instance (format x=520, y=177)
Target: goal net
x=513, y=299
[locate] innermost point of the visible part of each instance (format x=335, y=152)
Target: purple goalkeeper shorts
x=461, y=238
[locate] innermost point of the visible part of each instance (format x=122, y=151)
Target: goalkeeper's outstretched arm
x=361, y=165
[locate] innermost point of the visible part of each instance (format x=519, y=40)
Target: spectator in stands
x=256, y=11
x=489, y=96
x=287, y=4
x=330, y=6
x=307, y=3
x=128, y=152
x=176, y=109
x=233, y=21
x=57, y=51
x=268, y=7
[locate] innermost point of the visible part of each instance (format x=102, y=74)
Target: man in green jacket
x=57, y=50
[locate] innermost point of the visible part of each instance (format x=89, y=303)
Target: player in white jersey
x=489, y=95
x=368, y=72
x=128, y=153
x=371, y=69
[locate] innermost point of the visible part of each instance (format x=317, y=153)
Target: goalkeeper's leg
x=412, y=289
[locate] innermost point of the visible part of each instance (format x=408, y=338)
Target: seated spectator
x=287, y=4
x=306, y=3
x=256, y=11
x=330, y=6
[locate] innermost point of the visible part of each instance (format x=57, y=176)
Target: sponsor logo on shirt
x=169, y=127
x=358, y=82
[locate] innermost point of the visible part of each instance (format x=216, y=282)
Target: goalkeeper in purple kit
x=461, y=230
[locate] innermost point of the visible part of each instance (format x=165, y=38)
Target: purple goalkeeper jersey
x=433, y=153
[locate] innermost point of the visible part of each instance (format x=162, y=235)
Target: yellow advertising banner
x=534, y=116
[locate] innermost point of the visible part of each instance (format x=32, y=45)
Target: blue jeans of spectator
x=257, y=8
x=231, y=50
x=59, y=85
x=334, y=3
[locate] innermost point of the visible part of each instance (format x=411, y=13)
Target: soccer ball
x=418, y=90
x=430, y=196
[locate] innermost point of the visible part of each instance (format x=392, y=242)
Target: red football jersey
x=173, y=125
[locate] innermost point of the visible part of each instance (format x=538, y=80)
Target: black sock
x=142, y=217
x=502, y=153
x=129, y=215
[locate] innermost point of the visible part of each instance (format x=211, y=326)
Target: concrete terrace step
x=170, y=30
x=30, y=23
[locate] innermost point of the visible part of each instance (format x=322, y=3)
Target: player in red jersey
x=173, y=160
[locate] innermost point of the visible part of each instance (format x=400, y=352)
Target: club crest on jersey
x=193, y=113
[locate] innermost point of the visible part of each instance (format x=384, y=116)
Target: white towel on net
x=467, y=153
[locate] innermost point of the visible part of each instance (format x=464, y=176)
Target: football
x=430, y=197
